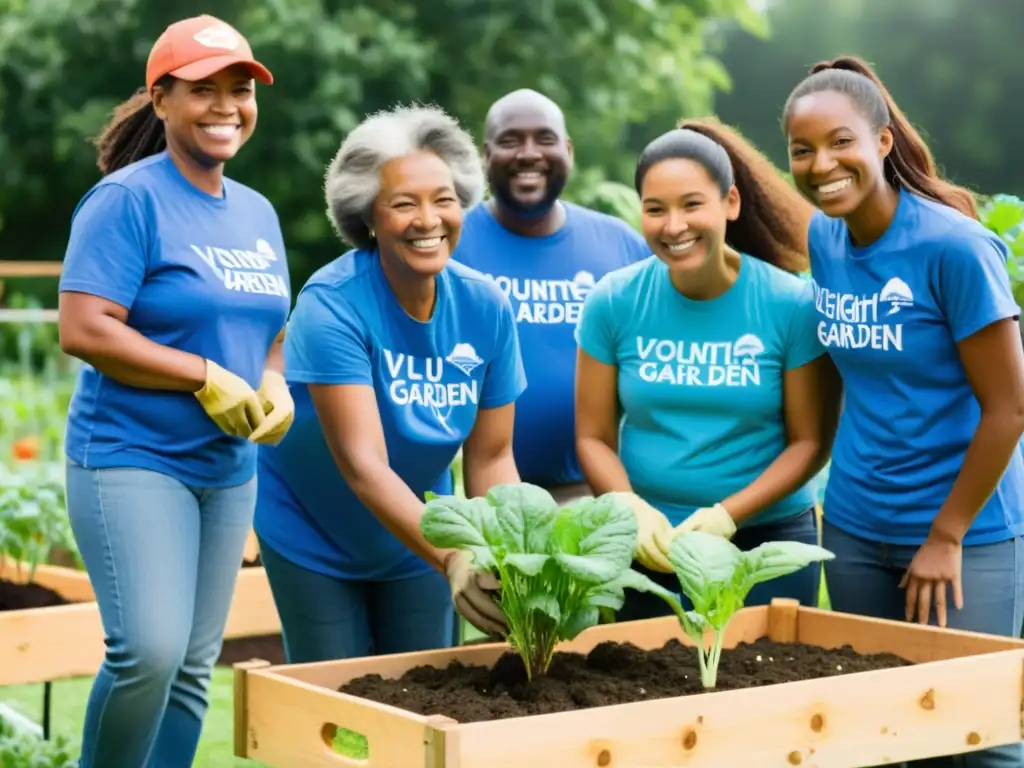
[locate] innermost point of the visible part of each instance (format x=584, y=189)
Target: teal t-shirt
x=700, y=382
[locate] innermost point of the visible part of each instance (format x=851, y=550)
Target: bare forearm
x=398, y=509
x=797, y=464
x=602, y=467
x=125, y=355
x=275, y=358
x=986, y=459
x=481, y=474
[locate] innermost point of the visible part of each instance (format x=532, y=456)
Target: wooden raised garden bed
x=949, y=692
x=64, y=638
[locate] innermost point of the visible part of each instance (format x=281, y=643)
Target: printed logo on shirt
x=465, y=358
x=701, y=363
x=546, y=302
x=243, y=270
x=419, y=382
x=858, y=321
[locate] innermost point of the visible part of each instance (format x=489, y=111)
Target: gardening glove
x=278, y=408
x=715, y=520
x=229, y=401
x=650, y=523
x=473, y=593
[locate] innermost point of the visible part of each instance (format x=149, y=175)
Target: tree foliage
x=64, y=64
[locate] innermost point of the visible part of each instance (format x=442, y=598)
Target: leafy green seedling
x=717, y=577
x=558, y=567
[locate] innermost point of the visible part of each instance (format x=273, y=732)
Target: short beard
x=502, y=193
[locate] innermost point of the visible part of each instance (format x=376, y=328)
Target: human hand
x=936, y=566
x=278, y=408
x=230, y=401
x=473, y=593
x=650, y=524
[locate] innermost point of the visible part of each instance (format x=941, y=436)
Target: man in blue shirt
x=545, y=254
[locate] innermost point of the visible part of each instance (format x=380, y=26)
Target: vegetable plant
x=33, y=520
x=717, y=576
x=558, y=566
x=25, y=750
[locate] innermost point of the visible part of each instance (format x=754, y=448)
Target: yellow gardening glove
x=651, y=523
x=715, y=520
x=474, y=593
x=278, y=407
x=229, y=401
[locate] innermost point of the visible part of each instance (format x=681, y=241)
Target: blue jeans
x=864, y=579
x=163, y=559
x=324, y=618
x=802, y=585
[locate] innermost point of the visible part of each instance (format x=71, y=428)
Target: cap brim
x=201, y=69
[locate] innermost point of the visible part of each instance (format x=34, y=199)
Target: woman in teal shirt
x=703, y=393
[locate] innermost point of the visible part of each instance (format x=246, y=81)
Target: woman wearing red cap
x=174, y=289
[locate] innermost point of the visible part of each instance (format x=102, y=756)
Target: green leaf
x=584, y=617
x=608, y=528
x=778, y=558
x=450, y=522
x=546, y=605
x=525, y=514
x=701, y=561
x=526, y=563
x=694, y=625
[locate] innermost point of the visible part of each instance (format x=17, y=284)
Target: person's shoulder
x=628, y=280
x=145, y=175
x=775, y=279
x=343, y=275
x=244, y=195
x=474, y=285
x=949, y=233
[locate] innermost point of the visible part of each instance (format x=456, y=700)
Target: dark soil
x=612, y=673
x=15, y=597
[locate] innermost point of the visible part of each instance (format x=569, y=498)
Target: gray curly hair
x=352, y=181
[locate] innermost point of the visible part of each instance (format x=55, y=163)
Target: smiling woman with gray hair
x=396, y=357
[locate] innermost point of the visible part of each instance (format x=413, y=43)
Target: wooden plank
x=913, y=642
x=54, y=643
x=253, y=611
x=292, y=723
x=870, y=718
x=30, y=269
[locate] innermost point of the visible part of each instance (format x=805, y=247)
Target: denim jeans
x=163, y=559
x=324, y=618
x=864, y=579
x=802, y=585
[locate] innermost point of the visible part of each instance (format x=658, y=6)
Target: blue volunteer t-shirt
x=547, y=279
x=198, y=273
x=700, y=382
x=430, y=379
x=891, y=315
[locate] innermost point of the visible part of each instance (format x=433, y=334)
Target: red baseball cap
x=194, y=48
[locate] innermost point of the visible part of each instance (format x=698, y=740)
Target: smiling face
x=528, y=158
x=685, y=214
x=417, y=218
x=208, y=120
x=835, y=156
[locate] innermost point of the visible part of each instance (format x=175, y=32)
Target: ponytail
x=909, y=165
x=774, y=218
x=134, y=132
